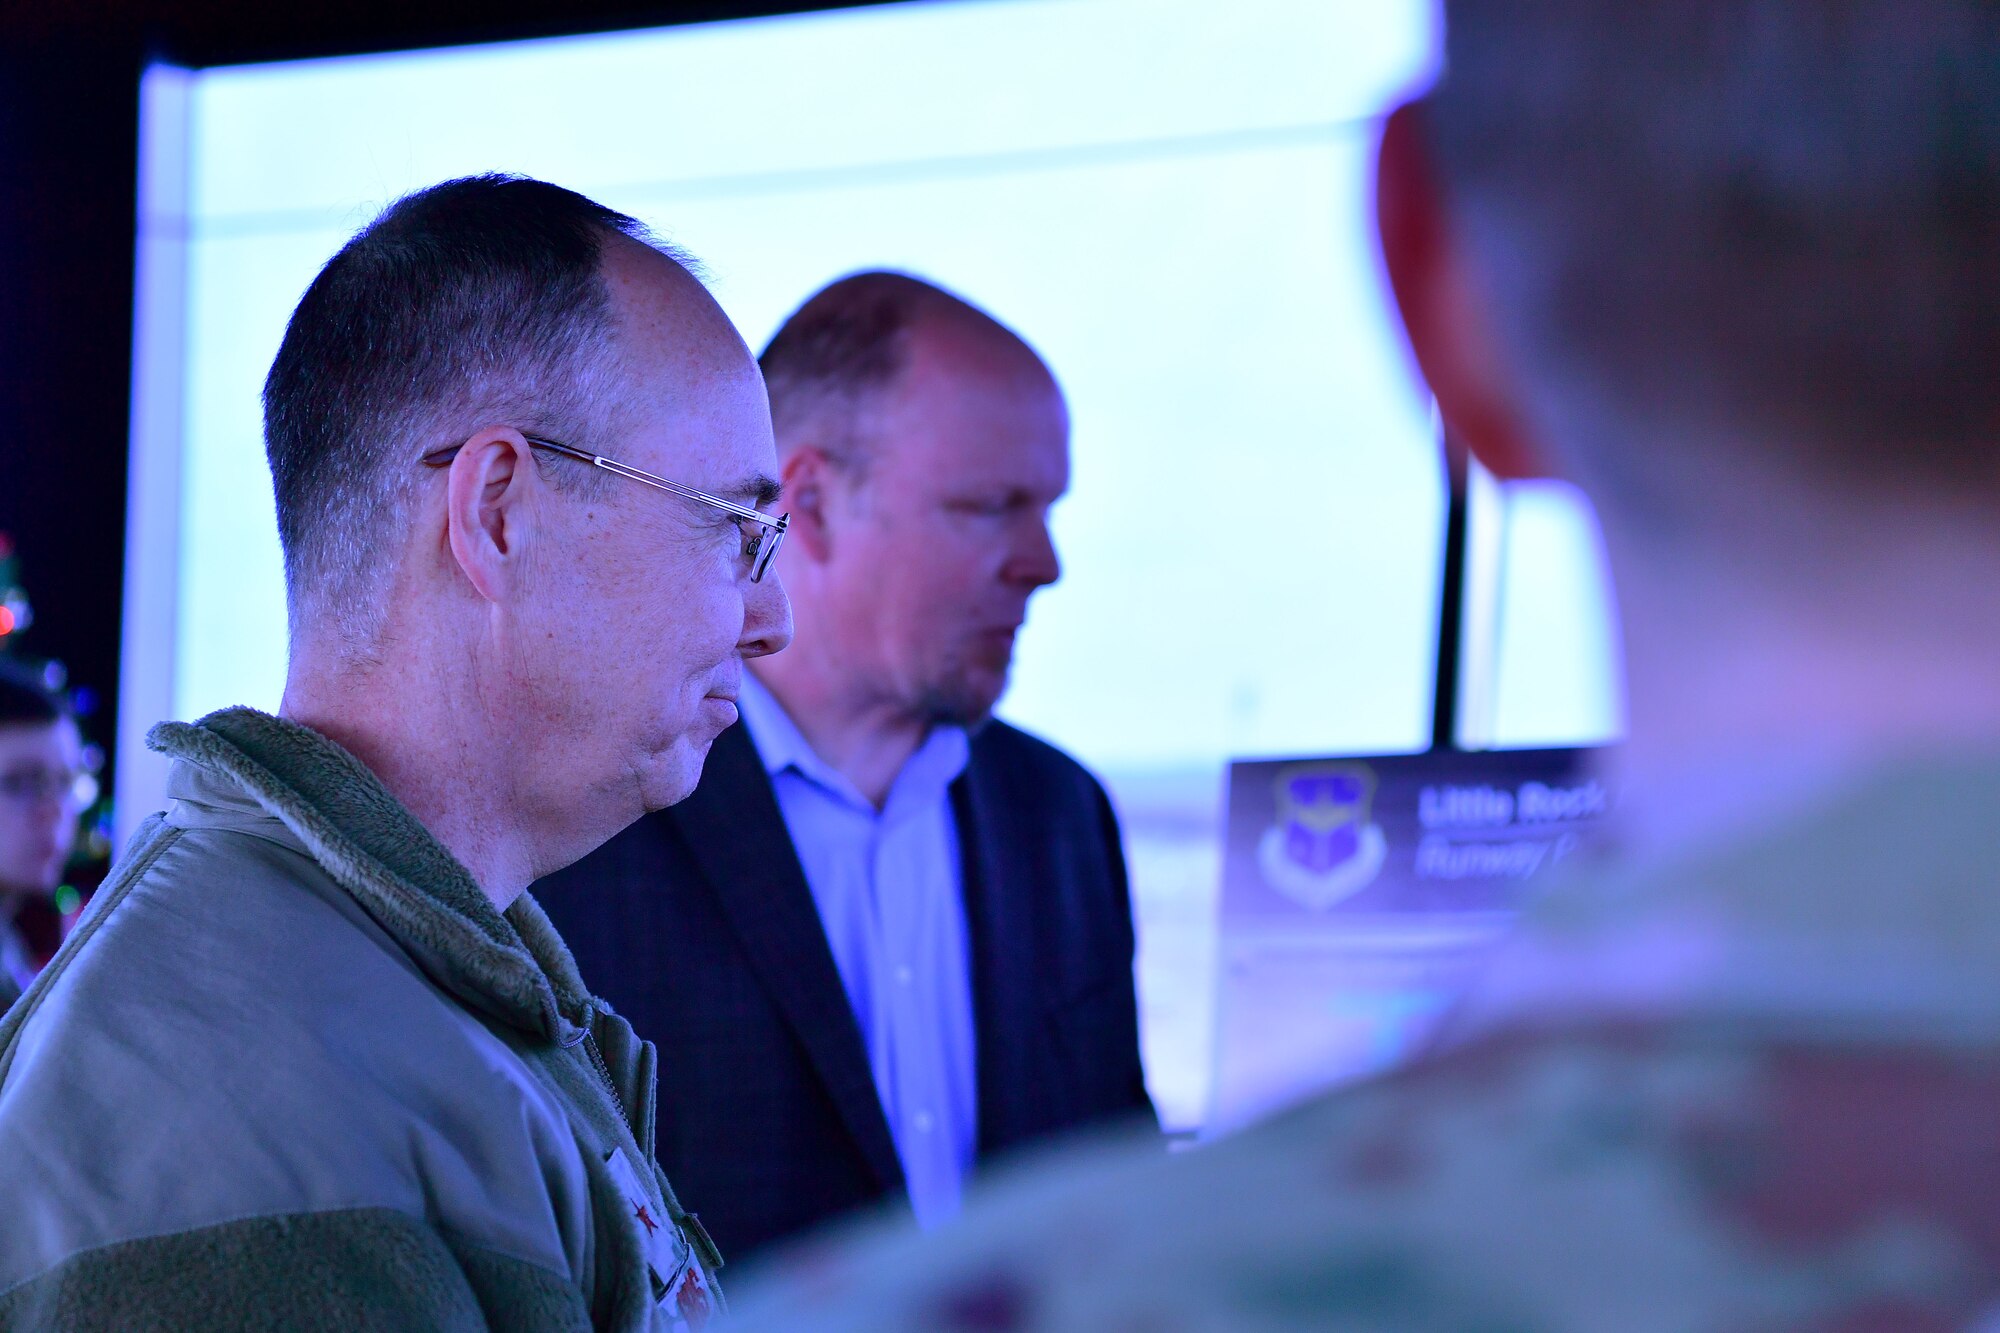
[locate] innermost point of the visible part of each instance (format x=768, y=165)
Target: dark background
x=69, y=119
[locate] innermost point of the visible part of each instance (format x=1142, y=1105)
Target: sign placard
x=1358, y=891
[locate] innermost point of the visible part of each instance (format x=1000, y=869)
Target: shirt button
x=904, y=976
x=924, y=1122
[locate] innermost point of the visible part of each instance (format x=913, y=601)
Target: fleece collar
x=242, y=768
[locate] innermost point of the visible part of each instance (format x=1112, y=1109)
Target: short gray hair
x=472, y=301
x=1759, y=219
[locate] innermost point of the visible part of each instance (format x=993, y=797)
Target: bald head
x=829, y=366
x=682, y=365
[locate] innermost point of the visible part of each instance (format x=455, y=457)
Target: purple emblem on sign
x=1324, y=845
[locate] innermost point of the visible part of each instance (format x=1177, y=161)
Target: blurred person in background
x=315, y=1060
x=1734, y=267
x=888, y=937
x=41, y=779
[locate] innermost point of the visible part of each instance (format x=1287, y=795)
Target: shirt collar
x=781, y=746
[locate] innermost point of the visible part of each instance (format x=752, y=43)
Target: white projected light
x=1168, y=198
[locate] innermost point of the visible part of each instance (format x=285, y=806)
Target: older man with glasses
x=316, y=1060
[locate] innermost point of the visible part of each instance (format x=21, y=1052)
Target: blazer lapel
x=738, y=836
x=999, y=919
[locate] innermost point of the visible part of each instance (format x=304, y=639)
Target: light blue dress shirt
x=890, y=890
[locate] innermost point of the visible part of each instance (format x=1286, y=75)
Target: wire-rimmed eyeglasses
x=760, y=543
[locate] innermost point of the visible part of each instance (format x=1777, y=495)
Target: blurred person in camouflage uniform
x=1734, y=267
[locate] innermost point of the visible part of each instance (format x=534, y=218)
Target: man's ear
x=1448, y=327
x=487, y=513
x=808, y=476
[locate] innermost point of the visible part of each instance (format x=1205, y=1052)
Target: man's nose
x=767, y=618
x=1034, y=561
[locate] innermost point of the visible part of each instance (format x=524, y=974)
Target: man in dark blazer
x=888, y=937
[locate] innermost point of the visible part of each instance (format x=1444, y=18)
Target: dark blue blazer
x=697, y=925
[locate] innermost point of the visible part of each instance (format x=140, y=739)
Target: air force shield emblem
x=1324, y=846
